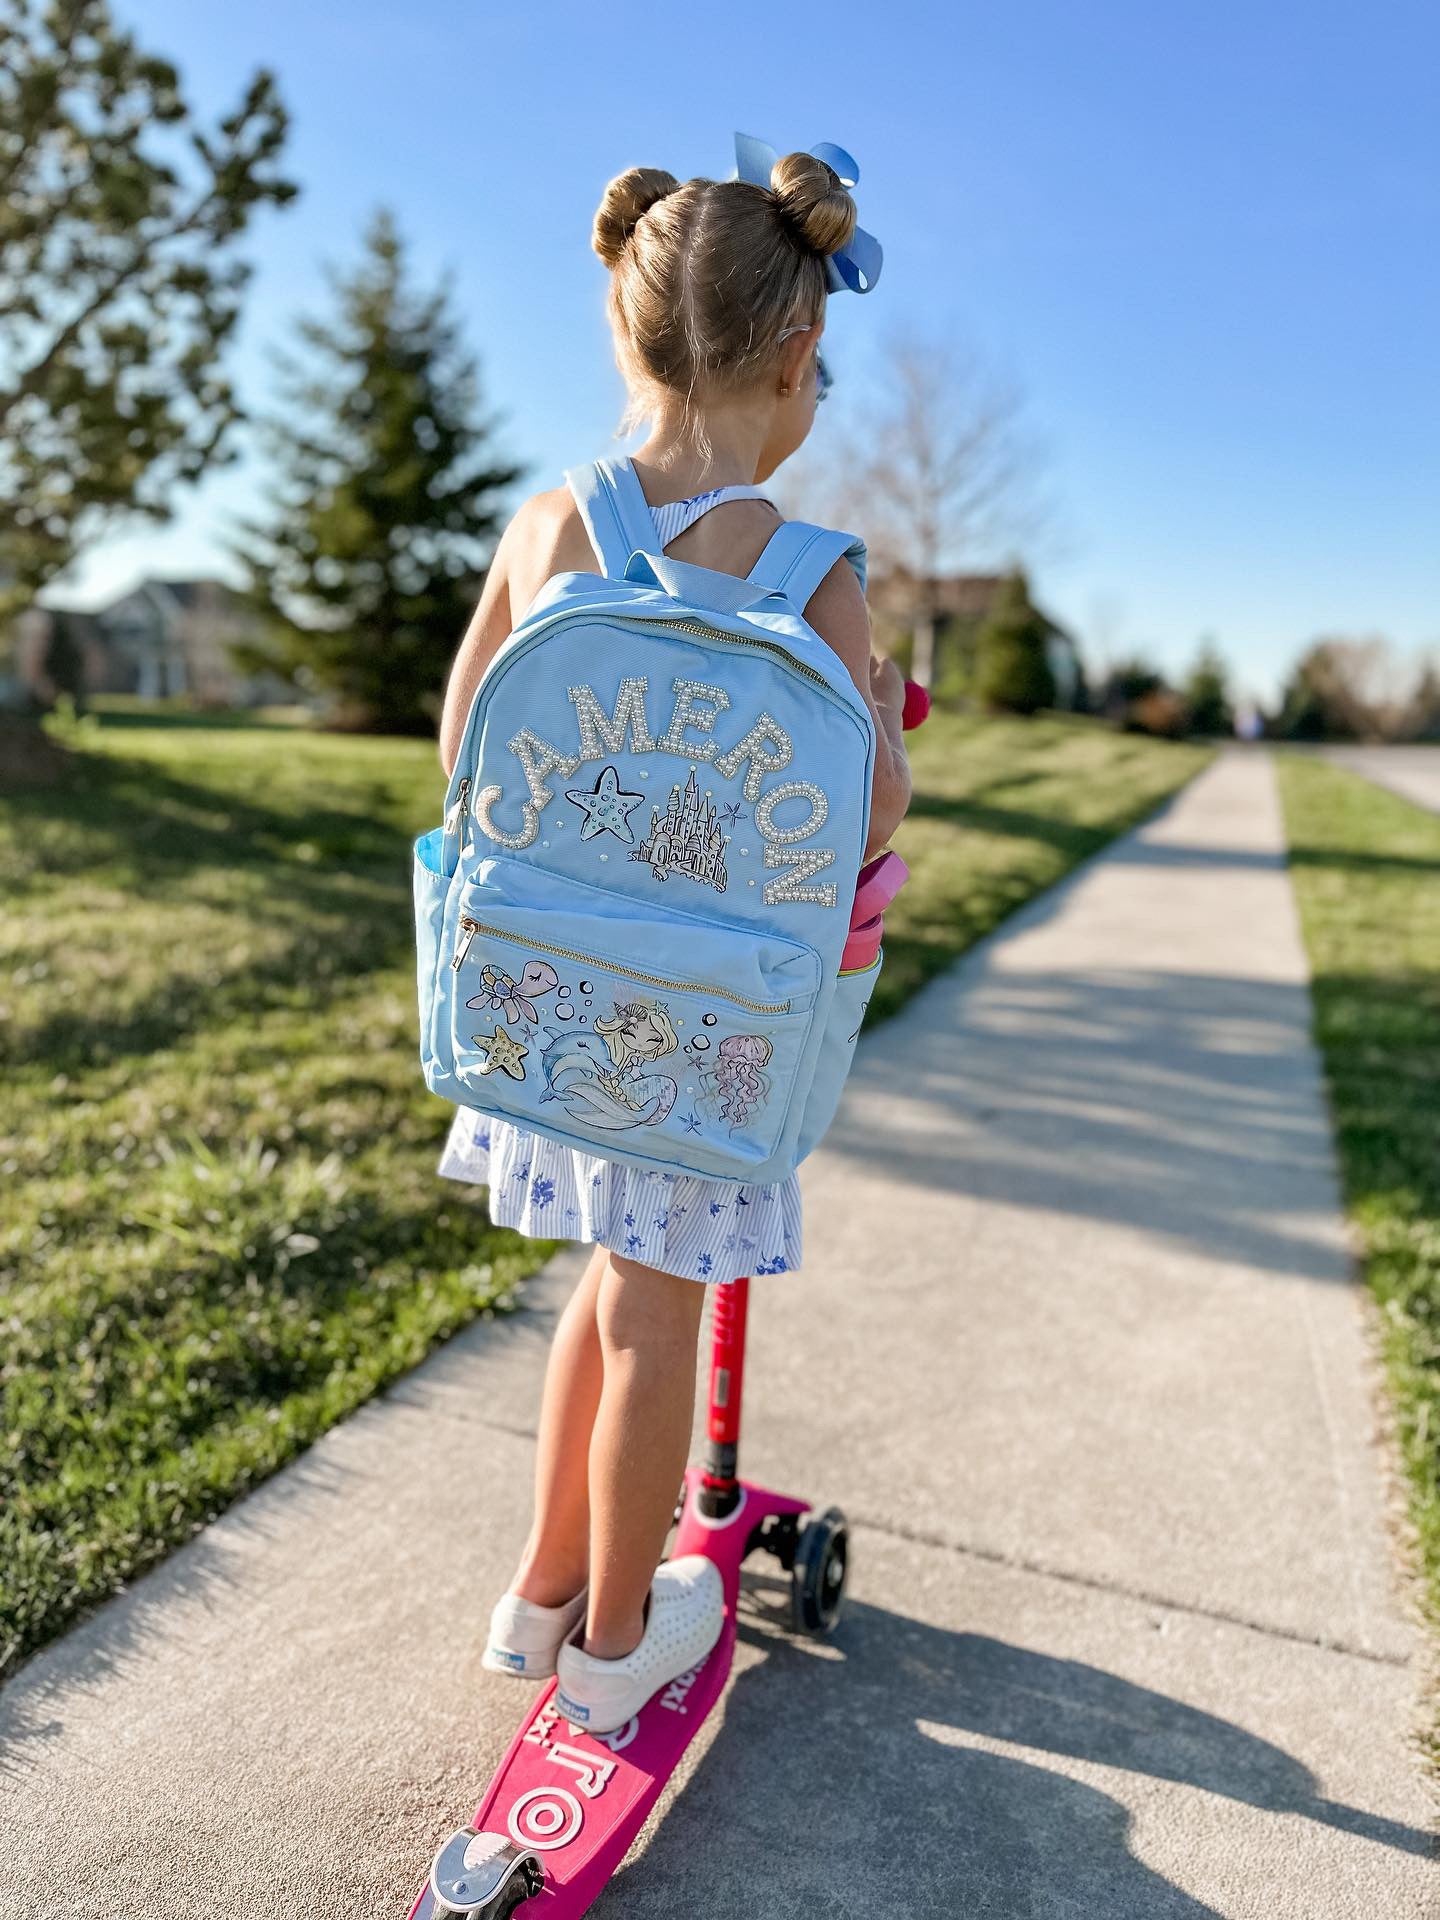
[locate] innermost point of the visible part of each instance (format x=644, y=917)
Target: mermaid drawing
x=736, y=1082
x=600, y=1078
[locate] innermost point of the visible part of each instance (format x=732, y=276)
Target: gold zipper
x=735, y=640
x=469, y=928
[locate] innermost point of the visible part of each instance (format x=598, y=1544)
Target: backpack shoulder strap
x=799, y=556
x=615, y=511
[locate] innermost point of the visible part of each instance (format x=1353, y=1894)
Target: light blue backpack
x=630, y=926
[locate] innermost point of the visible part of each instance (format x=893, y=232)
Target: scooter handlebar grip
x=917, y=705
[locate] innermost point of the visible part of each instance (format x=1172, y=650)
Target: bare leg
x=648, y=1324
x=553, y=1566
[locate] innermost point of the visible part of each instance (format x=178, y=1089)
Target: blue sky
x=1205, y=240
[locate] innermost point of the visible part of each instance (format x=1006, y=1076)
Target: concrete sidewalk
x=1078, y=1348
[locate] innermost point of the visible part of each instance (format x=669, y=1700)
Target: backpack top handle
x=700, y=587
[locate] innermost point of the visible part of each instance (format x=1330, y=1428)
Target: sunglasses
x=824, y=379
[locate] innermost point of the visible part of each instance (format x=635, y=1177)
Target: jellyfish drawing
x=735, y=1080
x=514, y=998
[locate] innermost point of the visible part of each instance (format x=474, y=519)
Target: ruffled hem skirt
x=677, y=1222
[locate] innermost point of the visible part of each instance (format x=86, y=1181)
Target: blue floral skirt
x=677, y=1222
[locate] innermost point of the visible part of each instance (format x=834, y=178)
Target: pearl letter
x=792, y=790
x=805, y=861
x=753, y=748
x=687, y=714
x=537, y=757
x=602, y=734
x=529, y=832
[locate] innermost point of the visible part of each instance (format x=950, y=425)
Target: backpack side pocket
x=837, y=1049
x=432, y=890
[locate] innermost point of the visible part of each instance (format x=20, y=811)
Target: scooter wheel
x=817, y=1580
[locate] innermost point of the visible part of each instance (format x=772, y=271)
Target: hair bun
x=628, y=196
x=813, y=202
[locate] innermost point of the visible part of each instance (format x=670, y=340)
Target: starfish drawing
x=607, y=809
x=690, y=1122
x=502, y=1051
x=730, y=814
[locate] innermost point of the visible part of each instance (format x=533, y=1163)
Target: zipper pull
x=468, y=931
x=455, y=819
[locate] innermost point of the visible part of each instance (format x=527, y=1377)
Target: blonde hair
x=612, y=1031
x=704, y=277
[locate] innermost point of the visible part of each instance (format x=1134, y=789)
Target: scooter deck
x=578, y=1799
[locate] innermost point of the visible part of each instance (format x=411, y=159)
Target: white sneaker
x=683, y=1622
x=524, y=1638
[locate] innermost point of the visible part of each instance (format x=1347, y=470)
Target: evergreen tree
x=1207, y=694
x=1135, y=697
x=1130, y=680
x=1012, y=664
x=119, y=285
x=386, y=505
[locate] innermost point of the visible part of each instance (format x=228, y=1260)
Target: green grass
x=223, y=1227
x=1366, y=866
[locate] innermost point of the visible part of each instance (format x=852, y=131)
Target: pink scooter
x=564, y=1805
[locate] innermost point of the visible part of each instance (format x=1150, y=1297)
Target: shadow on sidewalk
x=843, y=1781
x=1191, y=1106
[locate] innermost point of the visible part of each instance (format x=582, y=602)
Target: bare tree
x=937, y=468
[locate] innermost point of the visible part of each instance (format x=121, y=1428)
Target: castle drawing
x=686, y=838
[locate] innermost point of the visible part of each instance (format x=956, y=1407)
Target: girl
x=717, y=304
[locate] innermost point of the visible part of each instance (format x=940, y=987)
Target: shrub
x=1012, y=667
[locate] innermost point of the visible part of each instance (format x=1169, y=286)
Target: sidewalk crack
x=1022, y=1563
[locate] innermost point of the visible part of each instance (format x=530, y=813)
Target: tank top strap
x=675, y=516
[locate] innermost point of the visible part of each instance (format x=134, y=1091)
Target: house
x=164, y=639
x=959, y=604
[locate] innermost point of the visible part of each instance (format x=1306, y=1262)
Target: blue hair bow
x=857, y=264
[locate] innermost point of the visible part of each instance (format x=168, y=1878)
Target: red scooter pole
x=719, y=1479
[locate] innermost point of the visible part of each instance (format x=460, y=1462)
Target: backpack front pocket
x=629, y=1033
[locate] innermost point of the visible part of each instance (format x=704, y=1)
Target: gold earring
x=784, y=389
